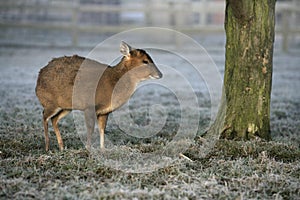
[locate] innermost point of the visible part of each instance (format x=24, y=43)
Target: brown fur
x=77, y=83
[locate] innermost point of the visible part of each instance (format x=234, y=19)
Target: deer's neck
x=118, y=87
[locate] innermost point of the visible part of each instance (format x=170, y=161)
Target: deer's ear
x=125, y=48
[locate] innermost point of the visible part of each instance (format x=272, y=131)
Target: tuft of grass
x=236, y=149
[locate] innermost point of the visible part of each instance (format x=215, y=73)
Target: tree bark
x=245, y=109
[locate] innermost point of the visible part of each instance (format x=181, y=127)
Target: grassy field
x=230, y=170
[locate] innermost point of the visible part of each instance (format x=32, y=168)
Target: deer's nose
x=157, y=75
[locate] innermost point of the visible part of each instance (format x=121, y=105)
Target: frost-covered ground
x=240, y=170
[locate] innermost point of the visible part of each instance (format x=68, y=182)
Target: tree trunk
x=245, y=108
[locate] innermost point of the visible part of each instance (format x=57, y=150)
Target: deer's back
x=65, y=77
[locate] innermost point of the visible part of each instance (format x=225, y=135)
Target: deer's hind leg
x=55, y=119
x=48, y=113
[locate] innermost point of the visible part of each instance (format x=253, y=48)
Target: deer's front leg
x=102, y=119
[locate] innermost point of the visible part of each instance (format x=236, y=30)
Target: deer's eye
x=145, y=61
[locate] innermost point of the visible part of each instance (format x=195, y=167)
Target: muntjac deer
x=77, y=83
